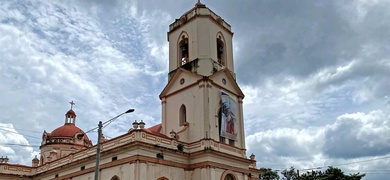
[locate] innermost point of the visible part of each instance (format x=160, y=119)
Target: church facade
x=201, y=136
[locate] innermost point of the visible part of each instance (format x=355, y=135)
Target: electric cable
x=2, y=129
x=343, y=164
x=21, y=129
x=23, y=145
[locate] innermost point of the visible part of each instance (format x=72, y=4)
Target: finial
x=200, y=5
x=71, y=104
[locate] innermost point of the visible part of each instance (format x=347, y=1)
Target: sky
x=315, y=74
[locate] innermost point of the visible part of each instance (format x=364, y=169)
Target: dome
x=71, y=112
x=67, y=130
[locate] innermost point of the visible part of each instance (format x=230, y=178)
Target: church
x=201, y=134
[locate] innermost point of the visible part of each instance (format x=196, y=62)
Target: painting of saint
x=228, y=113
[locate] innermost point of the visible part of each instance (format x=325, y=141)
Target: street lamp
x=100, y=126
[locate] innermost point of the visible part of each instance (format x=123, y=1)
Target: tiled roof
x=155, y=128
x=67, y=130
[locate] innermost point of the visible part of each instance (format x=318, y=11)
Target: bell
x=220, y=49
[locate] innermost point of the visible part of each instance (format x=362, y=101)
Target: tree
x=312, y=175
x=290, y=174
x=331, y=173
x=356, y=176
x=268, y=174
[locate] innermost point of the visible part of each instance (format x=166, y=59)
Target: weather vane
x=71, y=104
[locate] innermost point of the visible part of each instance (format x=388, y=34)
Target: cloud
x=354, y=142
x=358, y=135
x=287, y=146
x=56, y=53
x=9, y=140
x=296, y=42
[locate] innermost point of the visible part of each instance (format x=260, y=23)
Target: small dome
x=35, y=158
x=71, y=112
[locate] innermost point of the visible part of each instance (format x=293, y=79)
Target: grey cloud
x=295, y=39
x=285, y=147
x=287, y=142
x=358, y=135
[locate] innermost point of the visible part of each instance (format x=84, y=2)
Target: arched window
x=183, y=49
x=115, y=178
x=182, y=115
x=162, y=178
x=229, y=177
x=221, y=55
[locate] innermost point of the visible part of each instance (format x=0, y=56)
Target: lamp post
x=100, y=126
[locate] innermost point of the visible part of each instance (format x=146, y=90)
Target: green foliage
x=331, y=173
x=268, y=174
x=312, y=175
x=290, y=174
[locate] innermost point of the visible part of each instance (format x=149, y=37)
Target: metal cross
x=71, y=104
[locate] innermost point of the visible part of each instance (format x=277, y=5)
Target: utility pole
x=298, y=173
x=100, y=126
x=98, y=150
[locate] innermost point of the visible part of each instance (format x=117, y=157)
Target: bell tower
x=202, y=100
x=200, y=41
x=70, y=116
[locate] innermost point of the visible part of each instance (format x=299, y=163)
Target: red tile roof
x=71, y=112
x=155, y=128
x=67, y=130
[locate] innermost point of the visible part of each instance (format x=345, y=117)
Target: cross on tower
x=71, y=104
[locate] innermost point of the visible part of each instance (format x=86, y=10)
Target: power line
x=21, y=129
x=23, y=145
x=91, y=130
x=2, y=129
x=367, y=160
x=343, y=164
x=368, y=170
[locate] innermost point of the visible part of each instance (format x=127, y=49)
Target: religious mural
x=228, y=121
